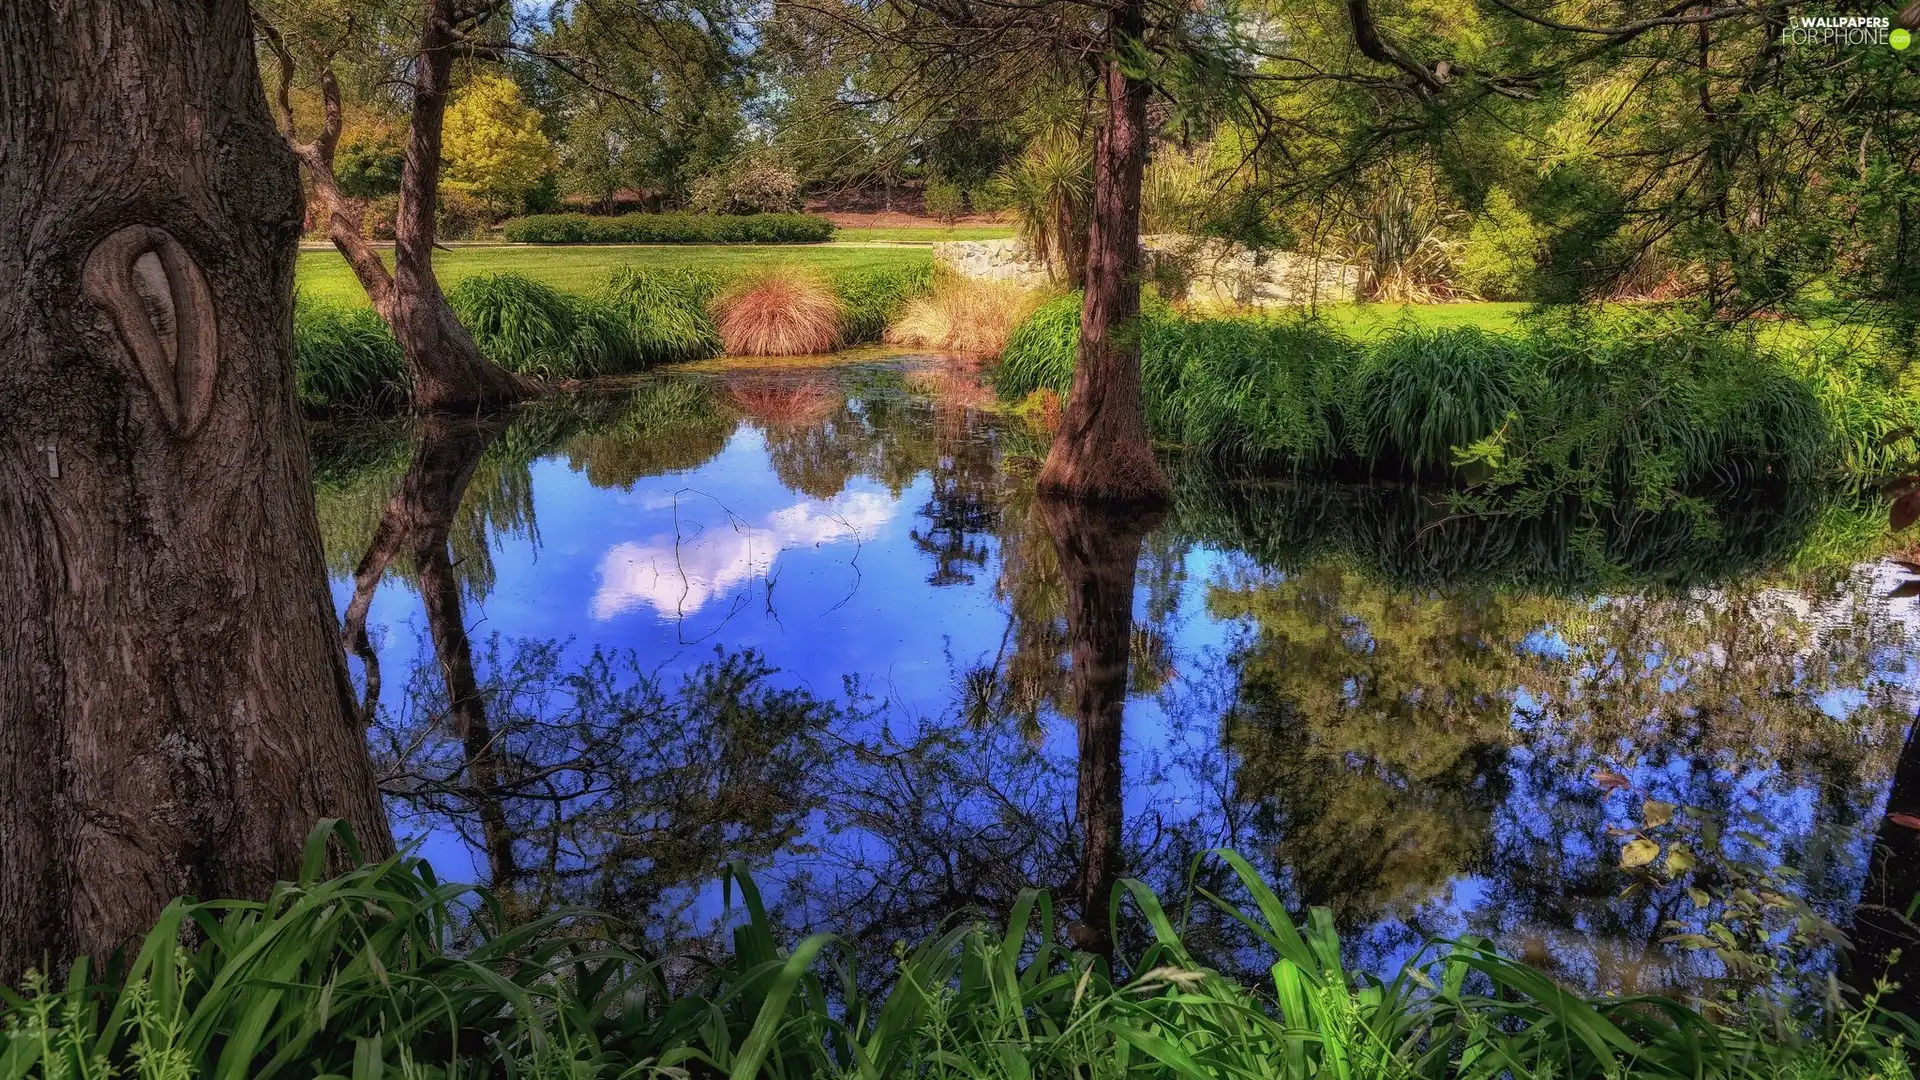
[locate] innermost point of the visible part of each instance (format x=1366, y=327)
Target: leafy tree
x=445, y=368
x=655, y=98
x=1502, y=251
x=493, y=144
x=370, y=166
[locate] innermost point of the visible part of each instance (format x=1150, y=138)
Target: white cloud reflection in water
x=710, y=559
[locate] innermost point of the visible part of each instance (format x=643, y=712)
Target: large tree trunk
x=1101, y=451
x=445, y=366
x=175, y=713
x=1885, y=935
x=1099, y=549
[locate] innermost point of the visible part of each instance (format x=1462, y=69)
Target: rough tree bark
x=1099, y=550
x=446, y=370
x=419, y=520
x=1101, y=452
x=175, y=713
x=1885, y=937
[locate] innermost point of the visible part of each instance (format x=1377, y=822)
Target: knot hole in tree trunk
x=161, y=307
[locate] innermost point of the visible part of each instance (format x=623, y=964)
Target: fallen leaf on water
x=1679, y=861
x=1610, y=780
x=1908, y=820
x=1638, y=853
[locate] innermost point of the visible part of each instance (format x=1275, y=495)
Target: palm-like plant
x=1049, y=190
x=1404, y=248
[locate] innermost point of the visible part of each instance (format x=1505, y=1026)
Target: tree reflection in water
x=1394, y=711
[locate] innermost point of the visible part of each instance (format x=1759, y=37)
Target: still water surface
x=816, y=620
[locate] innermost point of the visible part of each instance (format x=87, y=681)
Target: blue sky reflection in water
x=1400, y=717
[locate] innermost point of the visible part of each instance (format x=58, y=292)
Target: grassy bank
x=1594, y=405
x=355, y=976
x=639, y=317
x=323, y=276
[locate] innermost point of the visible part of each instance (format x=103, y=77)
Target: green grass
x=323, y=276
x=1618, y=403
x=356, y=976
x=346, y=357
x=641, y=316
x=922, y=234
x=1365, y=320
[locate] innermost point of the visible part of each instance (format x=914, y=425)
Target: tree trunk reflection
x=1099, y=549
x=418, y=520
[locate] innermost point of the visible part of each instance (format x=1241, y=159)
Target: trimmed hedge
x=669, y=229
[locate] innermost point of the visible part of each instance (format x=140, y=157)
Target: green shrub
x=358, y=975
x=669, y=229
x=1502, y=254
x=944, y=200
x=346, y=358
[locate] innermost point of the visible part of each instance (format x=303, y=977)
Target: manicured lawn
x=920, y=234
x=1364, y=319
x=323, y=275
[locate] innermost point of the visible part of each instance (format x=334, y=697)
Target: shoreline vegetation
x=387, y=968
x=1640, y=406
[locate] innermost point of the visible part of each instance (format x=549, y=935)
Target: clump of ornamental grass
x=534, y=329
x=1420, y=393
x=1040, y=352
x=667, y=311
x=346, y=359
x=963, y=315
x=779, y=312
x=872, y=299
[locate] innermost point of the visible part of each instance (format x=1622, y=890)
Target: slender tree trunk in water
x=175, y=714
x=1882, y=924
x=1099, y=549
x=447, y=370
x=419, y=520
x=1101, y=451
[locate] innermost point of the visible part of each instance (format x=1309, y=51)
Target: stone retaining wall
x=1202, y=270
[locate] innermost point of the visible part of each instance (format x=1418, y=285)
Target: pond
x=814, y=619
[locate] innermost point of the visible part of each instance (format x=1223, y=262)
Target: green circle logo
x=1900, y=38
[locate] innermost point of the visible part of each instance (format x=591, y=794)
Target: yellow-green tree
x=493, y=146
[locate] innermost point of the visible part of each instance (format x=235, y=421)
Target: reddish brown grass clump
x=781, y=402
x=781, y=313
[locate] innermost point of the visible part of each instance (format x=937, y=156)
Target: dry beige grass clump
x=779, y=313
x=964, y=316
